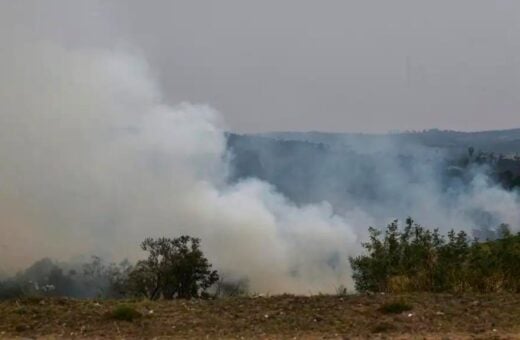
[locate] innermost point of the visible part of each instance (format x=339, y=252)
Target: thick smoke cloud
x=374, y=179
x=92, y=161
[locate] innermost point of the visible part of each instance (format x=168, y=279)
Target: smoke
x=92, y=160
x=371, y=180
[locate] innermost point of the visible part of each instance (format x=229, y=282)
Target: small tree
x=175, y=268
x=471, y=151
x=101, y=280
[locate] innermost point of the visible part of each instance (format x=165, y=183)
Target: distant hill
x=371, y=170
x=498, y=141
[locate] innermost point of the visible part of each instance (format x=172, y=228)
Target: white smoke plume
x=92, y=161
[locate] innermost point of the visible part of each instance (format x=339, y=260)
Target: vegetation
x=124, y=313
x=395, y=307
x=417, y=259
x=232, y=288
x=175, y=268
x=359, y=316
x=508, y=180
x=48, y=278
x=503, y=169
x=397, y=260
x=410, y=263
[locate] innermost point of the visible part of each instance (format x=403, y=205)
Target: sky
x=279, y=65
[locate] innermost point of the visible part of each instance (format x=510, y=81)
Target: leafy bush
x=417, y=259
x=10, y=290
x=46, y=277
x=232, y=288
x=124, y=313
x=383, y=327
x=175, y=268
x=395, y=307
x=341, y=290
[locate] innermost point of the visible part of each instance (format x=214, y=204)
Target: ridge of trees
x=397, y=259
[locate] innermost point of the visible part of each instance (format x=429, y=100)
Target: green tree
x=175, y=268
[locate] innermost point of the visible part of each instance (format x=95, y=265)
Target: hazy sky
x=369, y=66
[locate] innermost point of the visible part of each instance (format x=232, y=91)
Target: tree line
x=408, y=259
x=174, y=268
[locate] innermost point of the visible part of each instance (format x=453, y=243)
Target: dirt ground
x=277, y=317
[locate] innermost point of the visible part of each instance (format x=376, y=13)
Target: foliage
x=508, y=180
x=383, y=327
x=48, y=278
x=108, y=281
x=395, y=307
x=9, y=289
x=417, y=259
x=341, y=290
x=232, y=288
x=124, y=313
x=175, y=268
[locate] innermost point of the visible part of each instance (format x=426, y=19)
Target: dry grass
x=354, y=316
x=124, y=313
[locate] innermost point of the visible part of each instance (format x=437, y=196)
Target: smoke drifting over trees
x=375, y=178
x=93, y=160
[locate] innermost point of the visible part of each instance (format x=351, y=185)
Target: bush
x=417, y=259
x=232, y=288
x=341, y=290
x=124, y=313
x=175, y=268
x=383, y=327
x=395, y=307
x=46, y=277
x=10, y=290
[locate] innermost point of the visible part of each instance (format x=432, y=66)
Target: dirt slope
x=352, y=317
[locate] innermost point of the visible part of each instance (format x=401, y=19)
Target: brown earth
x=432, y=316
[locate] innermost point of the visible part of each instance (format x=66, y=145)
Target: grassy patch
x=21, y=328
x=395, y=307
x=31, y=300
x=124, y=313
x=383, y=327
x=21, y=310
x=288, y=316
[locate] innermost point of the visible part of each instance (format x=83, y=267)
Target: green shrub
x=175, y=268
x=395, y=307
x=383, y=327
x=21, y=310
x=418, y=259
x=232, y=288
x=124, y=313
x=341, y=290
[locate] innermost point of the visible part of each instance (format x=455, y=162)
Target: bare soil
x=432, y=316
